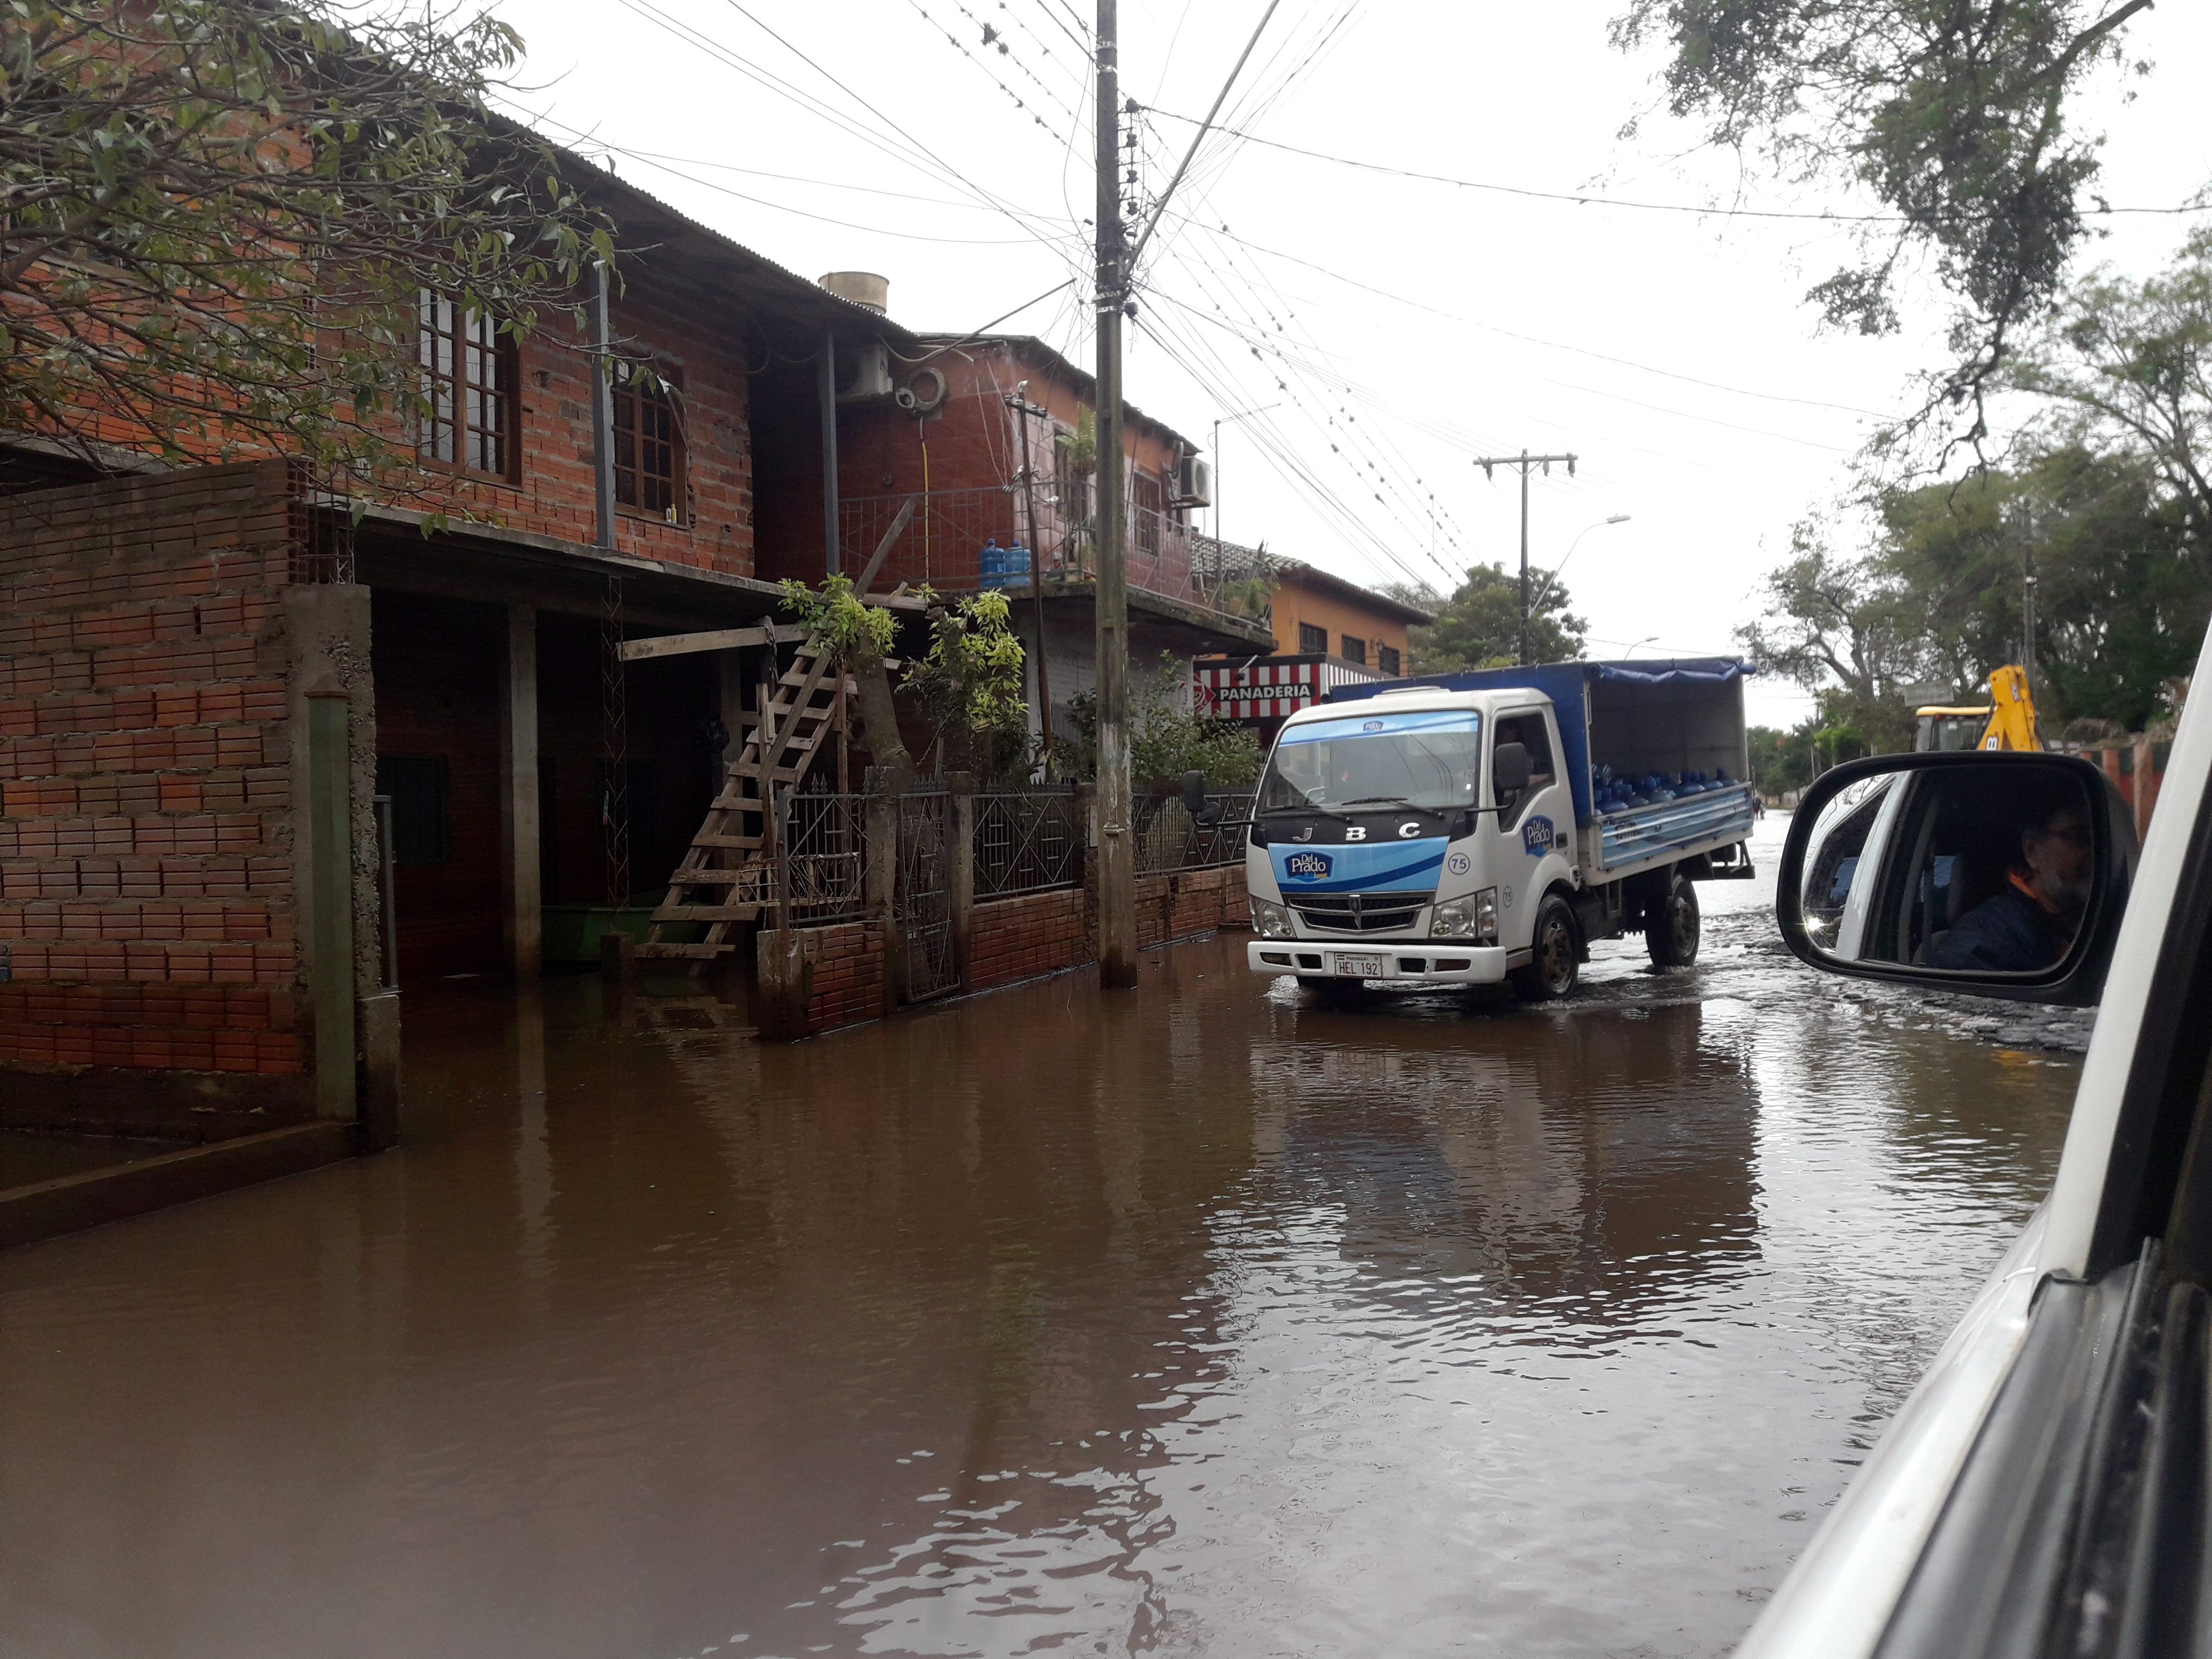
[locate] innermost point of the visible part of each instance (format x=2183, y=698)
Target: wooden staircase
x=729, y=873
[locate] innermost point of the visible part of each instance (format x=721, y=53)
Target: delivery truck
x=1472, y=827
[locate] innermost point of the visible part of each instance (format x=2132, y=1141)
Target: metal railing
x=1168, y=839
x=1027, y=840
x=943, y=543
x=826, y=853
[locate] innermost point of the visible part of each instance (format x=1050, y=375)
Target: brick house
x=952, y=432
x=208, y=675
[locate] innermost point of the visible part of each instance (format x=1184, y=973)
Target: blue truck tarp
x=1566, y=683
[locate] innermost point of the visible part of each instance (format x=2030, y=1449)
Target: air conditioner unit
x=1193, y=482
x=863, y=371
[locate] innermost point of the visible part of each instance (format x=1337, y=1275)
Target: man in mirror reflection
x=2031, y=919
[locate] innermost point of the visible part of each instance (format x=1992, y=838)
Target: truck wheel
x=1671, y=935
x=1552, y=964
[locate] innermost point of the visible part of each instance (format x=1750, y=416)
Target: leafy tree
x=2123, y=593
x=2127, y=367
x=1167, y=738
x=221, y=214
x=2123, y=596
x=1780, y=760
x=1830, y=618
x=1951, y=113
x=1480, y=625
x=970, y=688
x=858, y=638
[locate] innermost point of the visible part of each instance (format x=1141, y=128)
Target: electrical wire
x=1587, y=200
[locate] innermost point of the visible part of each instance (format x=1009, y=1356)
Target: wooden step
x=707, y=912
x=661, y=948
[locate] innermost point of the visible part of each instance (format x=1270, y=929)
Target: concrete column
x=523, y=912
x=960, y=785
x=328, y=891
x=881, y=887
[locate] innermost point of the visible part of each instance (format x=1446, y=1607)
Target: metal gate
x=924, y=894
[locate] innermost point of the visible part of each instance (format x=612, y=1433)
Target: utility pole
x=1025, y=410
x=1117, y=862
x=1117, y=259
x=1524, y=460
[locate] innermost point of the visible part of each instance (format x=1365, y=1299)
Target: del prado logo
x=1310, y=867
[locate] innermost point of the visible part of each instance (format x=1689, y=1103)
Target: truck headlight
x=1270, y=919
x=1472, y=915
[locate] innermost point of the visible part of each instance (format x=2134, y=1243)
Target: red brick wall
x=1021, y=937
x=848, y=974
x=554, y=492
x=146, y=894
x=973, y=443
x=1189, y=902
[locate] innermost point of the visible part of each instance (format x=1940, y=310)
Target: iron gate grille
x=924, y=894
x=1027, y=840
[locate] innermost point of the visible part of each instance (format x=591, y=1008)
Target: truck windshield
x=1426, y=760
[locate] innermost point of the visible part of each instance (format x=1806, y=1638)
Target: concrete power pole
x=1524, y=460
x=1118, y=855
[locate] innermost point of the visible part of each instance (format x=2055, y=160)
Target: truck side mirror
x=1194, y=801
x=1508, y=769
x=2005, y=875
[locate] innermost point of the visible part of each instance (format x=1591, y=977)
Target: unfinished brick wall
x=553, y=491
x=1189, y=902
x=147, y=904
x=1021, y=937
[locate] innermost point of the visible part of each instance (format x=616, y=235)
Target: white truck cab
x=1455, y=830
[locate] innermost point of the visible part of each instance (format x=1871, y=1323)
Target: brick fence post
x=961, y=877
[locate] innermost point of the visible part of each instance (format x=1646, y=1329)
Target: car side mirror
x=2003, y=875
x=1202, y=812
x=1509, y=768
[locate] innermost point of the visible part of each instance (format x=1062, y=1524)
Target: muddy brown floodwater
x=1193, y=1320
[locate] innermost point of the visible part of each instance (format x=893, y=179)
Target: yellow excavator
x=2006, y=722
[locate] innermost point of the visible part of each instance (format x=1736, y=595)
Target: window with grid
x=1312, y=641
x=1386, y=658
x=468, y=383
x=648, y=452
x=1355, y=650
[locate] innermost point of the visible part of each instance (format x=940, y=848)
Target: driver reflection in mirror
x=2028, y=922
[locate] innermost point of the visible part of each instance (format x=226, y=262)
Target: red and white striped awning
x=1268, y=688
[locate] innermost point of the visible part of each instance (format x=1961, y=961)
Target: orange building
x=1327, y=631
x=1315, y=614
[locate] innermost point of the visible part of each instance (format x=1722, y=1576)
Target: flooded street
x=1200, y=1321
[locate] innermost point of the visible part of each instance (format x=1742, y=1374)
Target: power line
x=1532, y=339
x=1586, y=199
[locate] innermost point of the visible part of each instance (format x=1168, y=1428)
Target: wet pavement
x=1196, y=1320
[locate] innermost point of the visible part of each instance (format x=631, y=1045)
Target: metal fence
x=826, y=852
x=1168, y=839
x=1027, y=840
x=943, y=542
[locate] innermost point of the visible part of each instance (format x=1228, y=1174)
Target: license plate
x=1365, y=967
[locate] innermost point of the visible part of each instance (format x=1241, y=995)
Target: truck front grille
x=1359, y=912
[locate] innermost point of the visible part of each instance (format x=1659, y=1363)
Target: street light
x=1225, y=421
x=1537, y=603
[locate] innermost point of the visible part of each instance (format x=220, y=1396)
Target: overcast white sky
x=1411, y=326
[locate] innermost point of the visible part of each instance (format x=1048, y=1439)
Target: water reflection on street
x=1194, y=1321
